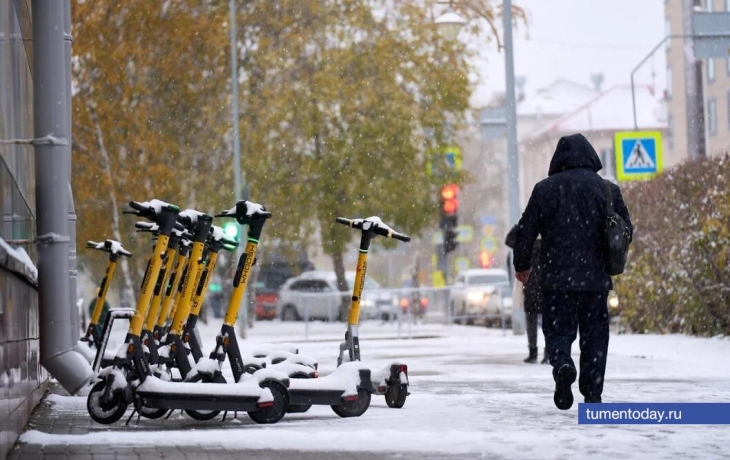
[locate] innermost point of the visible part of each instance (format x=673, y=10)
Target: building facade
x=22, y=379
x=715, y=80
x=599, y=120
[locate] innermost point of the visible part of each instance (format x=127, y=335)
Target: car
x=269, y=278
x=481, y=295
x=314, y=295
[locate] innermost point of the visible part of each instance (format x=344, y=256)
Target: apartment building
x=715, y=89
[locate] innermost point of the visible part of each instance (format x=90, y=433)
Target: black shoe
x=545, y=359
x=532, y=357
x=564, y=378
x=593, y=399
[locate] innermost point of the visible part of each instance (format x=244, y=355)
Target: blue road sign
x=638, y=155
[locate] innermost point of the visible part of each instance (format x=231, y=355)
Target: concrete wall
x=22, y=380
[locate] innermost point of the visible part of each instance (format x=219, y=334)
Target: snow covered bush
x=677, y=278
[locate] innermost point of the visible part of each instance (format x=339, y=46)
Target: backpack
x=618, y=237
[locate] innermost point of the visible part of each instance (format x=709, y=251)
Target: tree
x=343, y=103
x=149, y=82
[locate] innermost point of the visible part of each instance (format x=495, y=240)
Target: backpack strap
x=609, y=196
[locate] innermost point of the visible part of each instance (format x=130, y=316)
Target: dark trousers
x=531, y=327
x=564, y=314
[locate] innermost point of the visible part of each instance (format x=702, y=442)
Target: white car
x=481, y=294
x=314, y=295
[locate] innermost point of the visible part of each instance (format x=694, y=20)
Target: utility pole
x=513, y=168
x=693, y=87
x=238, y=179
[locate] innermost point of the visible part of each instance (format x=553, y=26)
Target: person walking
x=569, y=210
x=532, y=297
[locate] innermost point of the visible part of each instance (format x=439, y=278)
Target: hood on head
x=574, y=152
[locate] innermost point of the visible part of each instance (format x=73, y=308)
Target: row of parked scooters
x=161, y=367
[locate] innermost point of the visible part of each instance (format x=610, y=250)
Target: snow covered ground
x=471, y=396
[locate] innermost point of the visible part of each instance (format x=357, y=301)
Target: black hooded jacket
x=569, y=210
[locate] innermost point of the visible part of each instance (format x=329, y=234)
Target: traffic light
x=450, y=242
x=486, y=259
x=449, y=207
x=449, y=220
x=231, y=230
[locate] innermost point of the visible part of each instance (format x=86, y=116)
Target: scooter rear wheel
x=276, y=412
x=105, y=412
x=204, y=415
x=395, y=395
x=354, y=408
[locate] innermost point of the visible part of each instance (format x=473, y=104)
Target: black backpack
x=618, y=237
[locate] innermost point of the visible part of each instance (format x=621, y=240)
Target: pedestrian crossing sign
x=638, y=154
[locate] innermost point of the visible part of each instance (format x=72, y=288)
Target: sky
x=575, y=38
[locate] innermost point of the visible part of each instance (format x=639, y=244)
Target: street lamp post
x=449, y=24
x=237, y=174
x=513, y=170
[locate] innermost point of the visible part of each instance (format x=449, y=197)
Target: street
x=472, y=397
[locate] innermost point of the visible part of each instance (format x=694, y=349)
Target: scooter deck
x=245, y=396
x=333, y=389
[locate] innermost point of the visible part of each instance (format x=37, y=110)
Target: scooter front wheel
x=354, y=408
x=204, y=415
x=395, y=395
x=105, y=412
x=276, y=412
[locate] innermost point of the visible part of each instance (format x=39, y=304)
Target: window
x=670, y=131
x=728, y=110
x=710, y=70
x=728, y=61
x=708, y=5
x=301, y=285
x=668, y=32
x=712, y=117
x=727, y=5
x=320, y=286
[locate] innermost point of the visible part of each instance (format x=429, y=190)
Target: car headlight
x=367, y=303
x=507, y=302
x=476, y=296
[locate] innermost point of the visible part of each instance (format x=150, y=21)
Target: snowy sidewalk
x=472, y=397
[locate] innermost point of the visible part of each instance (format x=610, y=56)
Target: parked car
x=413, y=303
x=314, y=294
x=481, y=295
x=270, y=276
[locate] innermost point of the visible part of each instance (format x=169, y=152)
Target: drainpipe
x=72, y=267
x=50, y=115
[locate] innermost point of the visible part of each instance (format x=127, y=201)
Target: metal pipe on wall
x=72, y=268
x=51, y=118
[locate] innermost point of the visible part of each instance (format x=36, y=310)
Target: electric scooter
x=348, y=389
x=129, y=380
x=114, y=248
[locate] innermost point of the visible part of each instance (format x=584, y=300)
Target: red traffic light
x=449, y=198
x=486, y=259
x=450, y=192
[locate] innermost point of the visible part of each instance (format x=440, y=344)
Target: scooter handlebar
x=380, y=228
x=110, y=246
x=245, y=212
x=149, y=209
